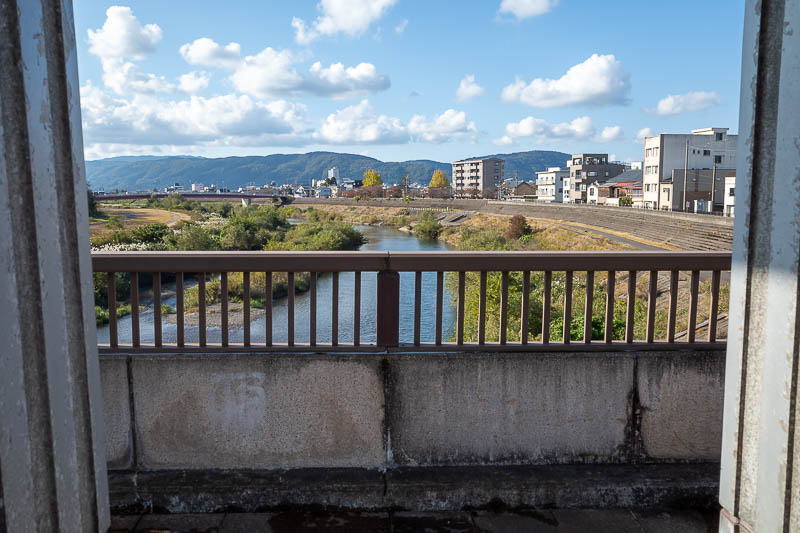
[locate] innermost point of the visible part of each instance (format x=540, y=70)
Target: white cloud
x=123, y=36
x=468, y=89
x=505, y=140
x=341, y=82
x=527, y=8
x=400, y=28
x=267, y=73
x=357, y=124
x=691, y=101
x=208, y=53
x=610, y=133
x=124, y=77
x=351, y=17
x=194, y=81
x=449, y=125
x=642, y=133
x=578, y=129
x=600, y=80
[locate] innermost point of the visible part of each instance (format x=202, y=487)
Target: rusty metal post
x=388, y=308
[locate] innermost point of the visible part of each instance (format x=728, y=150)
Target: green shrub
x=428, y=226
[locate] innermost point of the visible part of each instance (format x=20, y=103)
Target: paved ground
x=568, y=520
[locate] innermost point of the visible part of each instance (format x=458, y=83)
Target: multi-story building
x=700, y=185
x=668, y=151
x=587, y=168
x=333, y=175
x=565, y=192
x=477, y=176
x=728, y=200
x=550, y=185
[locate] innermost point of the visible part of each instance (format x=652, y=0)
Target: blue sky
x=382, y=77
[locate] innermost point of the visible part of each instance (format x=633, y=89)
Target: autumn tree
x=439, y=179
x=372, y=178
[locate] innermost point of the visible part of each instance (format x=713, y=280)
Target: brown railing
x=616, y=273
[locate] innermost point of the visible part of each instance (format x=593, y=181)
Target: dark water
x=380, y=239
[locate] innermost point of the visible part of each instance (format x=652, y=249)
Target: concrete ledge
x=116, y=412
x=418, y=489
x=229, y=411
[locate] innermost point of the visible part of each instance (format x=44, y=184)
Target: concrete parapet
x=116, y=412
x=208, y=412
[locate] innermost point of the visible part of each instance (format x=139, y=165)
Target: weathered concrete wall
x=288, y=411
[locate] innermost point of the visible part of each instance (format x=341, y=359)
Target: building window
x=719, y=136
x=706, y=152
x=731, y=192
x=718, y=159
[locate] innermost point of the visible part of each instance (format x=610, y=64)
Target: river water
x=379, y=239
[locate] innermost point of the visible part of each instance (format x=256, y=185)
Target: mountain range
x=132, y=173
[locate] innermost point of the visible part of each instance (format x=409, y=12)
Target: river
x=379, y=239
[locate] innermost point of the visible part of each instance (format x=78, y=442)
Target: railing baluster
x=388, y=320
x=417, y=305
x=157, y=308
x=546, y=302
x=335, y=309
x=629, y=318
x=312, y=310
x=268, y=308
x=460, y=312
x=246, y=308
x=714, y=307
x=567, y=307
x=439, y=306
x=651, y=306
x=673, y=305
x=179, y=308
x=357, y=309
x=290, y=308
x=690, y=332
x=608, y=333
x=223, y=277
x=111, y=297
x=135, y=335
x=201, y=309
x=526, y=305
x=482, y=309
x=588, y=308
x=503, y=307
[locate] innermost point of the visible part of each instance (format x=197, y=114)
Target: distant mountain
x=149, y=172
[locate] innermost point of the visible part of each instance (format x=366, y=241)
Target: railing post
x=388, y=308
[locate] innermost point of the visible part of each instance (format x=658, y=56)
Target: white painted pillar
x=52, y=460
x=760, y=482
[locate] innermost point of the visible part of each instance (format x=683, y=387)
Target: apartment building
x=477, y=176
x=666, y=152
x=729, y=198
x=550, y=184
x=587, y=168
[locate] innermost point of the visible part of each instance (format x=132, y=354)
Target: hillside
x=149, y=172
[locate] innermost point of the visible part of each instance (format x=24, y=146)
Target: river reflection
x=380, y=239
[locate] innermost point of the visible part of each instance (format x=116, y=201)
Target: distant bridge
x=212, y=196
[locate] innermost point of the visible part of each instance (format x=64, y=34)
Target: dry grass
x=137, y=217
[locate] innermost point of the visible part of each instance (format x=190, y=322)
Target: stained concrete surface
x=534, y=521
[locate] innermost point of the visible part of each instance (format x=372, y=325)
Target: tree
x=428, y=226
x=439, y=179
x=372, y=178
x=93, y=210
x=517, y=227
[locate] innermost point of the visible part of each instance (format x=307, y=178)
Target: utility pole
x=713, y=185
x=685, y=175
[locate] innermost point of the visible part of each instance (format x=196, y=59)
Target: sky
x=403, y=79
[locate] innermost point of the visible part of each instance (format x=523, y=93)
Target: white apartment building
x=565, y=195
x=333, y=173
x=550, y=184
x=666, y=152
x=729, y=198
x=479, y=176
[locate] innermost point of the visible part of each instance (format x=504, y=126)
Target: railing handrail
x=451, y=261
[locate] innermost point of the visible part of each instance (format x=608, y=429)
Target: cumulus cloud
x=359, y=124
x=600, y=80
x=267, y=73
x=468, y=89
x=194, y=81
x=449, y=125
x=123, y=36
x=642, y=133
x=400, y=28
x=350, y=17
x=691, y=101
x=206, y=52
x=579, y=129
x=527, y=8
x=610, y=133
x=344, y=82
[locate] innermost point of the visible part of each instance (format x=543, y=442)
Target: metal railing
x=619, y=272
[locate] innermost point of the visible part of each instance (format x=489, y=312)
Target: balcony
x=398, y=403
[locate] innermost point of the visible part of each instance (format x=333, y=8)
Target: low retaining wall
x=394, y=412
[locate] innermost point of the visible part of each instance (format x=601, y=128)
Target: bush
x=149, y=233
x=428, y=227
x=517, y=228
